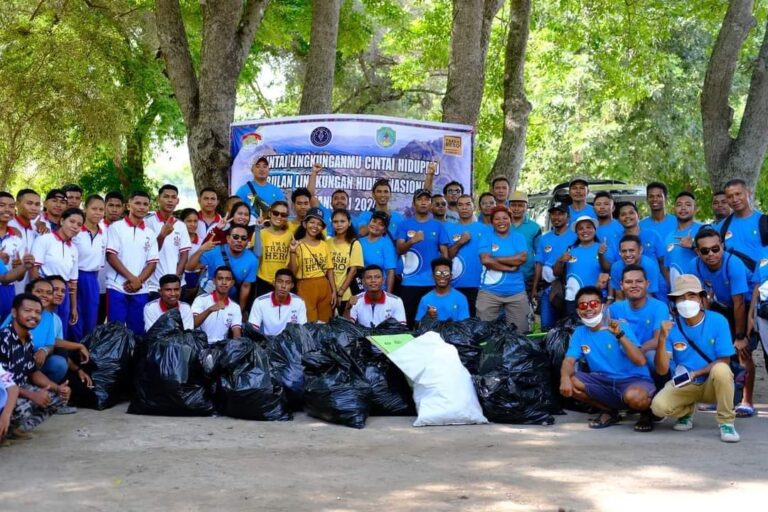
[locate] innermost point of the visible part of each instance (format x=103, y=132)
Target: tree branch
x=253, y=14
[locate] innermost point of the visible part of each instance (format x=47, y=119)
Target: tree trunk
x=728, y=157
x=510, y=157
x=317, y=95
x=207, y=101
x=134, y=154
x=470, y=35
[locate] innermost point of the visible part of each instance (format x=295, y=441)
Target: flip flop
x=605, y=420
x=644, y=424
x=744, y=411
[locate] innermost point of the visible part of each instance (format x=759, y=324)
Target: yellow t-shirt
x=274, y=253
x=313, y=261
x=343, y=258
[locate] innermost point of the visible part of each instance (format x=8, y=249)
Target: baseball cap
x=518, y=195
x=583, y=217
x=559, y=206
x=684, y=284
x=577, y=179
x=422, y=192
x=315, y=213
x=382, y=216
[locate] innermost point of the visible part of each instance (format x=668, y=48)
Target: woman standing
x=378, y=248
x=91, y=247
x=275, y=243
x=310, y=260
x=190, y=217
x=346, y=254
x=55, y=254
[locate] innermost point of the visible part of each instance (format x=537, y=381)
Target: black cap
x=315, y=213
x=422, y=192
x=559, y=206
x=382, y=216
x=56, y=192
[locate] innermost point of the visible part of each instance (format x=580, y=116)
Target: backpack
x=748, y=261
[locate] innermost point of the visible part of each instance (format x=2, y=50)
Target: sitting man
x=38, y=396
x=618, y=378
x=272, y=311
x=9, y=394
x=170, y=291
x=444, y=302
x=700, y=344
x=631, y=253
x=219, y=317
x=374, y=305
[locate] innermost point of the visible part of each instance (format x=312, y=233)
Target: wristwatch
x=620, y=335
x=740, y=336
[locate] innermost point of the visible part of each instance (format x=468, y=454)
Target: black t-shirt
x=15, y=357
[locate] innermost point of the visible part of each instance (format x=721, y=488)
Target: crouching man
x=618, y=378
x=699, y=342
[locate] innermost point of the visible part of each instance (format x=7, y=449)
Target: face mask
x=688, y=308
x=594, y=321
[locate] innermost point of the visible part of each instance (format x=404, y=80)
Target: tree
x=206, y=96
x=509, y=159
x=317, y=93
x=741, y=156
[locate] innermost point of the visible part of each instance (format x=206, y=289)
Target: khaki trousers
x=679, y=402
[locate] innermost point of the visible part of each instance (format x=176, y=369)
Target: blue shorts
x=609, y=391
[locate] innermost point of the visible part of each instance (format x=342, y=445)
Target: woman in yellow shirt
x=347, y=256
x=310, y=261
x=275, y=243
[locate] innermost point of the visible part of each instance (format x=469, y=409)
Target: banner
x=355, y=151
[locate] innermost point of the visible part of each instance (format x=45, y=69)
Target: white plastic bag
x=442, y=387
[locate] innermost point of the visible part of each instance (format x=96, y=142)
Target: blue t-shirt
x=573, y=214
x=743, y=235
x=653, y=246
x=732, y=278
x=604, y=353
x=244, y=266
x=712, y=335
x=417, y=262
x=652, y=273
x=45, y=332
x=531, y=232
x=610, y=233
x=452, y=306
x=583, y=269
x=677, y=258
x=467, y=267
x=503, y=283
x=381, y=253
x=268, y=193
x=662, y=228
x=643, y=321
x=551, y=246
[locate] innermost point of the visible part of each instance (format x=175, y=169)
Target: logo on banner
x=452, y=145
x=320, y=136
x=385, y=137
x=251, y=139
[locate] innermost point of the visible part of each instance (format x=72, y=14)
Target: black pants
x=263, y=287
x=471, y=295
x=411, y=296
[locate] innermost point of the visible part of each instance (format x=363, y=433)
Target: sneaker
x=683, y=424
x=728, y=433
x=66, y=409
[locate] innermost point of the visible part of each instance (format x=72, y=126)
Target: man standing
x=500, y=188
x=55, y=203
x=578, y=190
x=439, y=208
x=720, y=207
x=172, y=238
x=217, y=316
x=170, y=291
x=609, y=230
x=132, y=255
x=381, y=192
x=741, y=231
x=74, y=195
x=27, y=210
x=301, y=199
x=659, y=220
x=372, y=307
x=259, y=194
x=272, y=311
x=207, y=217
x=443, y=303
x=452, y=191
x=466, y=236
x=420, y=240
x=679, y=243
x=530, y=230
x=114, y=208
x=10, y=249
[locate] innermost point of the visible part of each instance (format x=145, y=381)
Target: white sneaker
x=683, y=424
x=728, y=433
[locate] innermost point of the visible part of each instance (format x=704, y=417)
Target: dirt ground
x=115, y=461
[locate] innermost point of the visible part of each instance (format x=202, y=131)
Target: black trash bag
x=336, y=389
x=169, y=379
x=253, y=334
x=458, y=334
x=284, y=352
x=339, y=331
x=513, y=381
x=556, y=345
x=246, y=388
x=391, y=395
x=388, y=326
x=111, y=346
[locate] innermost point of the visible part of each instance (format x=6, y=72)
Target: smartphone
x=681, y=379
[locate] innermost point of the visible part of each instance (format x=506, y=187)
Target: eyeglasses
x=592, y=304
x=453, y=191
x=241, y=238
x=442, y=273
x=441, y=204
x=706, y=250
x=280, y=214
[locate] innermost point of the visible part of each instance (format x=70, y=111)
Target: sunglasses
x=453, y=191
x=241, y=238
x=441, y=204
x=592, y=304
x=279, y=214
x=442, y=273
x=706, y=250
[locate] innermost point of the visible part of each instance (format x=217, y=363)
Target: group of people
x=69, y=263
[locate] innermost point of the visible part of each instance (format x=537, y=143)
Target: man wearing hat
x=549, y=247
x=420, y=240
x=699, y=343
x=258, y=193
x=578, y=190
x=530, y=230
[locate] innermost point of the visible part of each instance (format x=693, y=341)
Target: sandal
x=606, y=419
x=744, y=411
x=644, y=424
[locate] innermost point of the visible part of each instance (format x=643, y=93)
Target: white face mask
x=688, y=308
x=594, y=321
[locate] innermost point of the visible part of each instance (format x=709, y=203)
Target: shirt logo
x=680, y=346
x=728, y=235
x=147, y=244
x=585, y=349
x=573, y=259
x=411, y=233
x=456, y=238
x=494, y=247
x=547, y=248
x=763, y=262
x=670, y=247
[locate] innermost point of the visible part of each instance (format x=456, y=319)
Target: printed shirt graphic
x=275, y=253
x=583, y=269
x=452, y=306
x=712, y=335
x=732, y=278
x=604, y=353
x=313, y=261
x=503, y=282
x=467, y=267
x=344, y=255
x=677, y=257
x=417, y=270
x=643, y=321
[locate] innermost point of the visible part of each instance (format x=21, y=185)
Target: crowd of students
x=70, y=263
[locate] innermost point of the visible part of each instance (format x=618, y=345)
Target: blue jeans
x=55, y=368
x=547, y=313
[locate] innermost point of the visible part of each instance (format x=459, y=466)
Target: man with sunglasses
x=618, y=378
x=726, y=281
x=444, y=302
x=452, y=191
x=439, y=208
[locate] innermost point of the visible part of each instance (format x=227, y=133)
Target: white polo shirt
x=218, y=323
x=270, y=317
x=27, y=233
x=155, y=309
x=55, y=257
x=135, y=246
x=370, y=313
x=169, y=254
x=91, y=249
x=104, y=225
x=203, y=228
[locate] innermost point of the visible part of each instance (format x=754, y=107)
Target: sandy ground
x=115, y=461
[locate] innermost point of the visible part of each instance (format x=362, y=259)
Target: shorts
x=609, y=391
